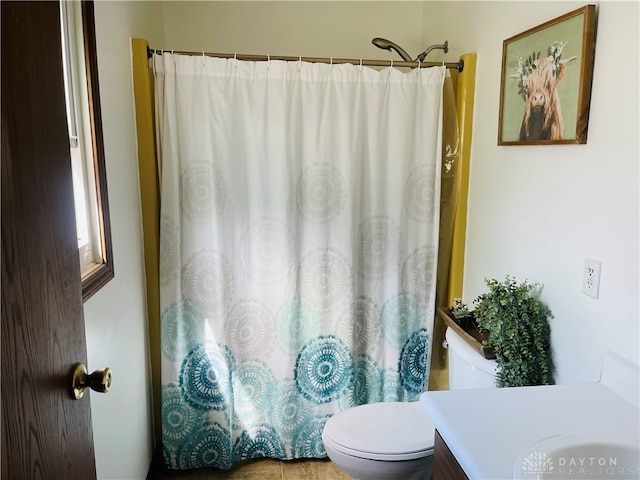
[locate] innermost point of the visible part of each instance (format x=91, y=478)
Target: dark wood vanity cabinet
x=445, y=465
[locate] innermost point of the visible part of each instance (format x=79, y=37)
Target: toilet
x=394, y=440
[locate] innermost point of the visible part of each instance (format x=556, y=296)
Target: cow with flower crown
x=538, y=79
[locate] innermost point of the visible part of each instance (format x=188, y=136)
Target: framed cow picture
x=545, y=88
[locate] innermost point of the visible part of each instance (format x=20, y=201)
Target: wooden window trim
x=98, y=276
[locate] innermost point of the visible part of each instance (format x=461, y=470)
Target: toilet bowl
x=394, y=440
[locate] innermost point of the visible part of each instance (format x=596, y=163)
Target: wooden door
x=45, y=434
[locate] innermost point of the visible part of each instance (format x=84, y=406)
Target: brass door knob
x=98, y=381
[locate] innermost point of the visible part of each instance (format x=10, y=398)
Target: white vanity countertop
x=486, y=429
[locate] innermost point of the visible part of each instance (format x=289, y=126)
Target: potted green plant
x=460, y=313
x=519, y=332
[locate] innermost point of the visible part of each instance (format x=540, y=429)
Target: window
x=86, y=145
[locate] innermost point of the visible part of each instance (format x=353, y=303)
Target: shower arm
x=444, y=46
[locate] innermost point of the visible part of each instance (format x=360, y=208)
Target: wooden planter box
x=468, y=331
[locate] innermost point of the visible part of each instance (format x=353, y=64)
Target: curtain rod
x=368, y=63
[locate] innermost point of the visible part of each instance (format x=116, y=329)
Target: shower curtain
x=298, y=249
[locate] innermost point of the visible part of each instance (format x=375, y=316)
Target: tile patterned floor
x=263, y=469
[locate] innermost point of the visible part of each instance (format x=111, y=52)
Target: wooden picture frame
x=545, y=87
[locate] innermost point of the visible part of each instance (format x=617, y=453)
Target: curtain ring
x=361, y=64
x=300, y=63
x=391, y=63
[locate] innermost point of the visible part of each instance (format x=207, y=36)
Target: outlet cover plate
x=591, y=277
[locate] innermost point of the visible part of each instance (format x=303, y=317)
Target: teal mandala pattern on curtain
x=181, y=326
x=258, y=442
x=178, y=418
x=205, y=377
x=217, y=396
x=296, y=322
x=253, y=384
x=209, y=445
x=368, y=381
x=298, y=242
x=290, y=411
x=307, y=440
x=413, y=363
x=324, y=370
x=402, y=315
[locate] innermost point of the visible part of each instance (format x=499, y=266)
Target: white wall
x=536, y=212
x=332, y=29
x=116, y=322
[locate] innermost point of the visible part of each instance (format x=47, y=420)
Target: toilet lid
x=382, y=431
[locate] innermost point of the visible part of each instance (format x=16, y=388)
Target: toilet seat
x=391, y=431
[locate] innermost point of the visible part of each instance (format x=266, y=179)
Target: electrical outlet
x=591, y=278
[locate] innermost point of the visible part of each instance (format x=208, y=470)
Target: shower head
x=385, y=44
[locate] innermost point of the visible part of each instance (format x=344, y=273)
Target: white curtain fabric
x=299, y=231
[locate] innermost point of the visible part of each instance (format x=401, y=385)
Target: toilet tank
x=467, y=367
